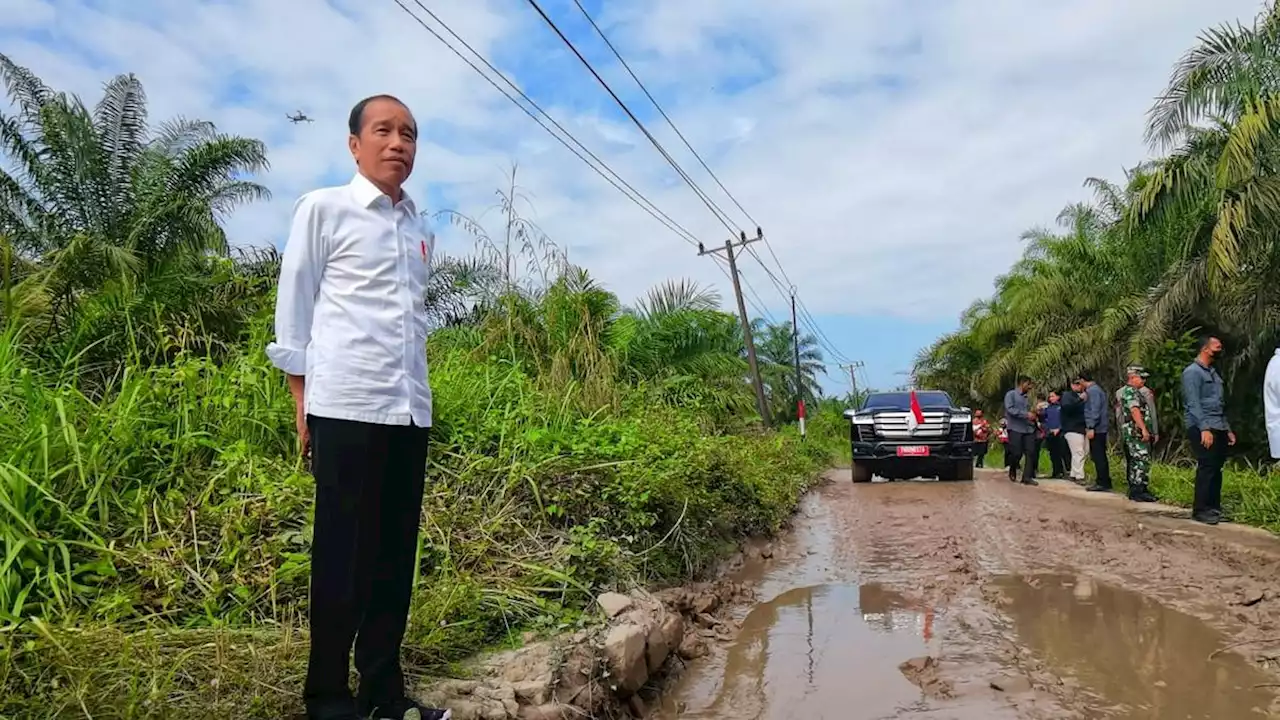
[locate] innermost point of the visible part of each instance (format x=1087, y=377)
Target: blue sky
x=893, y=151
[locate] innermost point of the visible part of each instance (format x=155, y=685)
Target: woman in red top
x=981, y=437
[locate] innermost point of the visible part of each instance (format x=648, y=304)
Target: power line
x=655, y=212
x=599, y=166
x=822, y=336
x=706, y=200
x=687, y=144
x=761, y=308
x=666, y=117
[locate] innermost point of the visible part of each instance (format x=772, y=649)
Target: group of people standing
x=1075, y=423
x=1071, y=424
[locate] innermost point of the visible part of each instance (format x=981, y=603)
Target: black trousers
x=369, y=482
x=1059, y=454
x=1101, y=463
x=980, y=452
x=1209, y=462
x=1022, y=449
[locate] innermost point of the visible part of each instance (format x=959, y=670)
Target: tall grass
x=156, y=531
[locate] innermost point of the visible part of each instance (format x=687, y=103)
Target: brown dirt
x=992, y=600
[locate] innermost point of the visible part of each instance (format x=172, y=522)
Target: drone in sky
x=298, y=117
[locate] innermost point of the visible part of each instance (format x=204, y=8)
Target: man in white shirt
x=1271, y=402
x=351, y=331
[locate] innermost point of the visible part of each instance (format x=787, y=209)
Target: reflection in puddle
x=1142, y=659
x=813, y=653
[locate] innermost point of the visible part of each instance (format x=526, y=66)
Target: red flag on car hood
x=916, y=418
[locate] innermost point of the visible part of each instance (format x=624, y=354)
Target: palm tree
x=1221, y=111
x=94, y=200
x=776, y=353
x=677, y=337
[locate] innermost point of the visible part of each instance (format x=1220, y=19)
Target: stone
x=705, y=603
x=614, y=604
x=533, y=692
x=466, y=710
x=587, y=695
x=457, y=687
x=657, y=649
x=545, y=711
x=691, y=647
x=638, y=707
x=624, y=648
x=1011, y=684
x=672, y=629
x=529, y=663
x=503, y=696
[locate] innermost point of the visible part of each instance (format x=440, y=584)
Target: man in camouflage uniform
x=1137, y=434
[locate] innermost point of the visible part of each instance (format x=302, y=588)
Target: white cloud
x=892, y=150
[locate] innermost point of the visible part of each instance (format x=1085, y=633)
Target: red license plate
x=913, y=451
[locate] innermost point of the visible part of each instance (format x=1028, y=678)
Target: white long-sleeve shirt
x=350, y=312
x=1271, y=403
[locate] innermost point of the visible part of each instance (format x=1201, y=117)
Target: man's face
x=387, y=144
x=1135, y=381
x=1078, y=386
x=1026, y=386
x=1053, y=398
x=1214, y=348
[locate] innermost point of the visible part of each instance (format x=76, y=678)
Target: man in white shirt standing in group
x=351, y=331
x=1271, y=403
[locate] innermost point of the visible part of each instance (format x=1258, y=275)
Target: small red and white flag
x=916, y=417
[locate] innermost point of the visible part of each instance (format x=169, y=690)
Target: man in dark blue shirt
x=1208, y=432
x=1097, y=416
x=1053, y=438
x=1022, y=431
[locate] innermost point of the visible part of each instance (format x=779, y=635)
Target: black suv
x=917, y=433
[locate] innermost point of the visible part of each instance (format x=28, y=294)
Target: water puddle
x=1132, y=656
x=817, y=652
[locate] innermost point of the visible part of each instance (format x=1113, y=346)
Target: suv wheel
x=861, y=472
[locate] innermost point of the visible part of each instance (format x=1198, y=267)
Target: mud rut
x=995, y=600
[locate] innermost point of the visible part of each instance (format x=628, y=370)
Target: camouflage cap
x=1137, y=370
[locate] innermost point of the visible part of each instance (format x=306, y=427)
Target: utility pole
x=853, y=376
x=742, y=313
x=795, y=338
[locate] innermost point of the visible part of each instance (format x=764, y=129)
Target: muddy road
x=995, y=600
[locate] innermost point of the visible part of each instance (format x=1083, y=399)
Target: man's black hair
x=1203, y=342
x=355, y=121
x=1023, y=379
x=1087, y=377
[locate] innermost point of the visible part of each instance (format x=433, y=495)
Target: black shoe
x=1208, y=518
x=1030, y=482
x=406, y=709
x=1013, y=475
x=1098, y=488
x=1143, y=496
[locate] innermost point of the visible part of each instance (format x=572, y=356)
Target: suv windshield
x=902, y=400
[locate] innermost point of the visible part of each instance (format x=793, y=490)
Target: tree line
x=1184, y=245
x=112, y=251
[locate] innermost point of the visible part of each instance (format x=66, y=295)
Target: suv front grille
x=893, y=426
x=960, y=432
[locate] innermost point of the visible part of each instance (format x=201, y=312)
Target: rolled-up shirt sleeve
x=1191, y=398
x=300, y=270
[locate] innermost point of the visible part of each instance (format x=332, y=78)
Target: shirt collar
x=366, y=194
